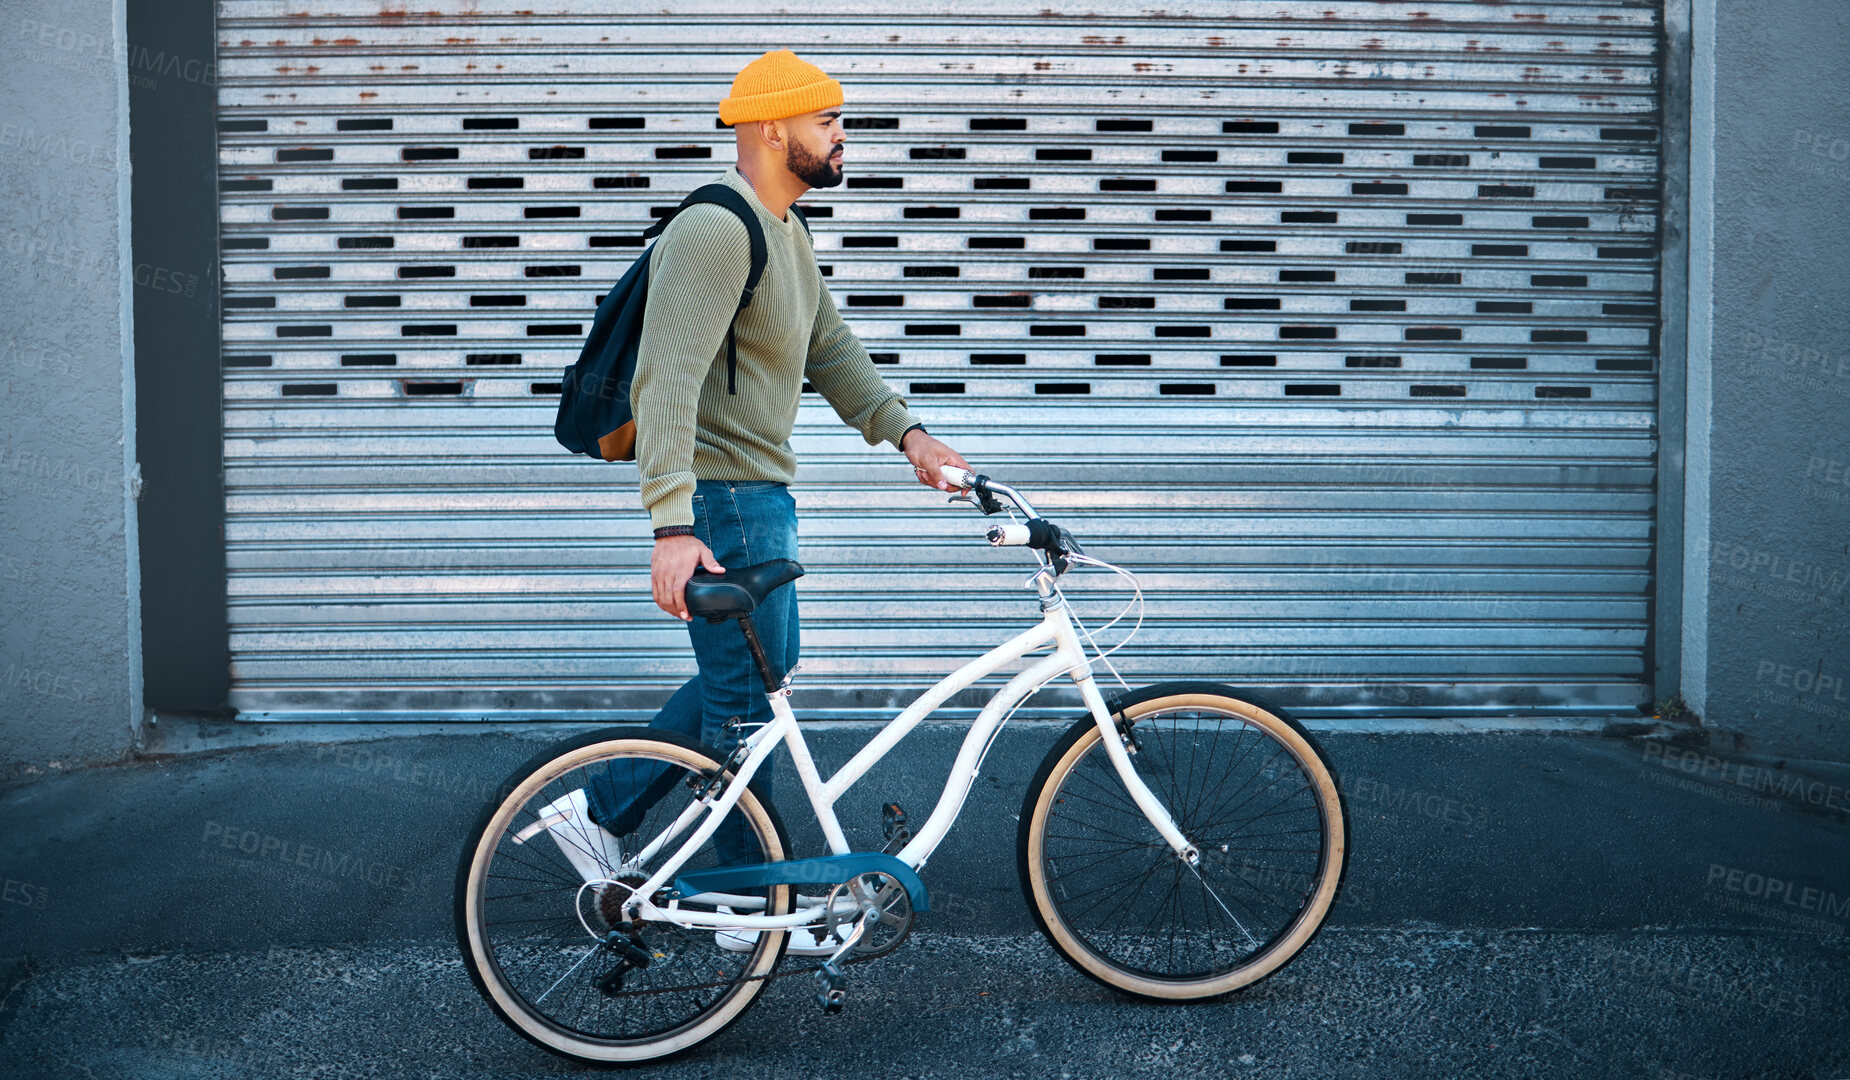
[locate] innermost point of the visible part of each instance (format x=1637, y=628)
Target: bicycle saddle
x=737, y=592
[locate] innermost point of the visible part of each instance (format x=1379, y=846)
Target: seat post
x=764, y=666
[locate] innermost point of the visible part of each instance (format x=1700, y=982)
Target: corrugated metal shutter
x=1334, y=319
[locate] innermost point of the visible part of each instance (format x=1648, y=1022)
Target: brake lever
x=982, y=500
x=986, y=502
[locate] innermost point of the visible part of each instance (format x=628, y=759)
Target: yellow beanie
x=776, y=85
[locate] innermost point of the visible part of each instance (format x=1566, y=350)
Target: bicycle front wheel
x=533, y=925
x=1245, y=784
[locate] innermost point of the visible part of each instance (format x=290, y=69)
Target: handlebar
x=983, y=491
x=1037, y=532
x=1054, y=548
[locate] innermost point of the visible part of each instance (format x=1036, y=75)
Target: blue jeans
x=742, y=523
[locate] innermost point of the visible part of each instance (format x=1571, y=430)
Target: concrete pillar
x=70, y=666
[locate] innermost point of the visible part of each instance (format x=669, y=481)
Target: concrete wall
x=1767, y=648
x=1777, y=259
x=70, y=667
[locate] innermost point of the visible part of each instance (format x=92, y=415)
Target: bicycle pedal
x=893, y=823
x=834, y=992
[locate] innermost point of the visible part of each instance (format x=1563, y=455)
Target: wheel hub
x=612, y=897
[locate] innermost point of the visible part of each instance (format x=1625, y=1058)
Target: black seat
x=738, y=592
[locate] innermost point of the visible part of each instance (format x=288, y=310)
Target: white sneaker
x=592, y=851
x=803, y=941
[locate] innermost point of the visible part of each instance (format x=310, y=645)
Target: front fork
x=1146, y=800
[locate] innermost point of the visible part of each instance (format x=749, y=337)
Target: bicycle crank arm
x=834, y=992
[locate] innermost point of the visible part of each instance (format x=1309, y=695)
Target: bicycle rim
x=530, y=932
x=1250, y=791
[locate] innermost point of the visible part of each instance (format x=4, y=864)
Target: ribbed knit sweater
x=687, y=426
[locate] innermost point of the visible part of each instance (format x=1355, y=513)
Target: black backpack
x=594, y=395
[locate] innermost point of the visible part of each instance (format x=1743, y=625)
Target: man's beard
x=817, y=172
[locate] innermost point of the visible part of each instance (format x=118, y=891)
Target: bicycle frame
x=1056, y=628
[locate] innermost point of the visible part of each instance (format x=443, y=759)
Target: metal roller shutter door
x=1334, y=320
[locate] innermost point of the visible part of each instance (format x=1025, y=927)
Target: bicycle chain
x=863, y=958
x=752, y=978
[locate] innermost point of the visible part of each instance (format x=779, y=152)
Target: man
x=713, y=451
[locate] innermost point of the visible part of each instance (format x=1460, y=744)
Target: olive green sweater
x=688, y=427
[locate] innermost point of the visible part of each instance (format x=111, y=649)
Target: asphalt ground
x=1359, y=1003
x=1516, y=905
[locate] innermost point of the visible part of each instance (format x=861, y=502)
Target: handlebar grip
x=956, y=477
x=1010, y=535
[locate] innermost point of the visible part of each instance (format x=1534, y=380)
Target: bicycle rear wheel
x=1247, y=786
x=531, y=928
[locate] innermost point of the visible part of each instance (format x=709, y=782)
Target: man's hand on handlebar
x=929, y=457
x=670, y=567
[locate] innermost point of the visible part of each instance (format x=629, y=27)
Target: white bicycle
x=1179, y=842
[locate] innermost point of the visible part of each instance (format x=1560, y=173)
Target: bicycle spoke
x=1120, y=797
x=1280, y=802
x=529, y=892
x=590, y=952
x=1077, y=863
x=1229, y=783
x=1120, y=805
x=1277, y=810
x=532, y=916
x=1112, y=891
x=1109, y=888
x=535, y=919
x=1111, y=833
x=1223, y=906
x=1233, y=767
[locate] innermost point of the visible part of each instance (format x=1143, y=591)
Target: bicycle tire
x=507, y=967
x=1259, y=904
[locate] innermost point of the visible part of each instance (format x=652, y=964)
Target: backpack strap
x=721, y=195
